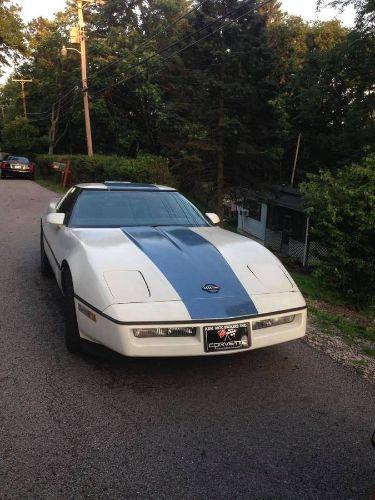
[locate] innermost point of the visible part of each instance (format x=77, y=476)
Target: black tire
x=45, y=266
x=72, y=339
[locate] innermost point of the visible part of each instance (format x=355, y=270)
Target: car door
x=58, y=238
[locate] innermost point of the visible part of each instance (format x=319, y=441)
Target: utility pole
x=295, y=159
x=77, y=35
x=85, y=89
x=22, y=82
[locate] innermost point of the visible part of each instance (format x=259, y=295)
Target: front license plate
x=227, y=337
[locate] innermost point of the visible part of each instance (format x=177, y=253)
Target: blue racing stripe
x=189, y=262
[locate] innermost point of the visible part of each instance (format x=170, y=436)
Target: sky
x=303, y=8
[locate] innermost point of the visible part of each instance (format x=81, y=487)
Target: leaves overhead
x=11, y=31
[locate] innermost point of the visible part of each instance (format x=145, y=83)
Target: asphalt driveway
x=283, y=422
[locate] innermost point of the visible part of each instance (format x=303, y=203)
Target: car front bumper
x=120, y=337
x=10, y=172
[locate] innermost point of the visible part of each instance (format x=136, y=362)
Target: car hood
x=215, y=273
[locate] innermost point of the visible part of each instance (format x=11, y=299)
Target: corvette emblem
x=211, y=288
x=222, y=333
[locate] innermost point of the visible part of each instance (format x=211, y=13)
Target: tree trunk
x=220, y=161
x=55, y=114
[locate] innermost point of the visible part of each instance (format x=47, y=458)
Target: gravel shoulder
x=350, y=356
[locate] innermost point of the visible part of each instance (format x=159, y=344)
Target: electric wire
x=146, y=42
x=221, y=27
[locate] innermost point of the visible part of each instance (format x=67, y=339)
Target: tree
x=342, y=208
x=11, y=31
x=222, y=123
x=365, y=11
x=22, y=138
x=325, y=74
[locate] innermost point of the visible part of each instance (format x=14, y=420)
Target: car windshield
x=96, y=208
x=18, y=159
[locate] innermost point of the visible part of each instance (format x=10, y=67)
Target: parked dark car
x=17, y=166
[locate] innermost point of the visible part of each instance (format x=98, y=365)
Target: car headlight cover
x=267, y=323
x=184, y=331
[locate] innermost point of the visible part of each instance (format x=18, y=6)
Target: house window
x=255, y=209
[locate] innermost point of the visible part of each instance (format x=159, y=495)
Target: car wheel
x=45, y=266
x=72, y=339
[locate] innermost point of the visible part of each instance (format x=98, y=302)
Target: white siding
x=253, y=227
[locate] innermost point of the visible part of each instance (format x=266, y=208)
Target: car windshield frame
x=186, y=214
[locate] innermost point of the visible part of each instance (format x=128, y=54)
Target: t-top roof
x=124, y=186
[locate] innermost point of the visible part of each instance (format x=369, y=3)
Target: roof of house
x=276, y=195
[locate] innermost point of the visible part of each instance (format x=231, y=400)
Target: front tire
x=72, y=338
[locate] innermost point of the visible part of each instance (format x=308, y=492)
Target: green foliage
x=325, y=74
x=365, y=10
x=145, y=168
x=11, y=31
x=349, y=327
x=342, y=208
x=311, y=286
x=244, y=93
x=22, y=138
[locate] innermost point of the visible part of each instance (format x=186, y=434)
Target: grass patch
x=351, y=325
x=359, y=363
x=312, y=287
x=349, y=328
x=369, y=351
x=50, y=184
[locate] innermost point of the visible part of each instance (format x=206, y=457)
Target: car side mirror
x=215, y=219
x=55, y=218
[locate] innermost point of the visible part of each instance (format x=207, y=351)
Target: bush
x=99, y=168
x=343, y=215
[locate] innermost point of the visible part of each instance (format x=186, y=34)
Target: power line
x=161, y=52
x=221, y=27
x=145, y=43
x=62, y=114
x=154, y=36
x=61, y=99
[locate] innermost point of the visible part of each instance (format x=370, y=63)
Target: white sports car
x=144, y=273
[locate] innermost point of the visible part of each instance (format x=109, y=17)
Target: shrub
x=99, y=168
x=342, y=211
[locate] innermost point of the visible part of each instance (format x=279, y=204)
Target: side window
x=67, y=203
